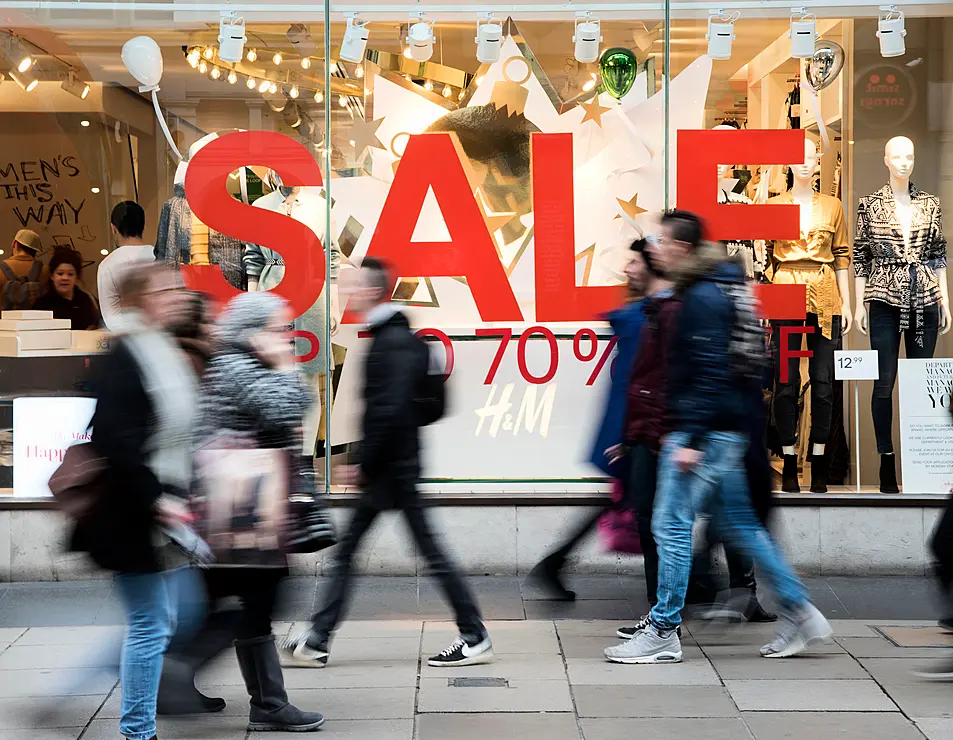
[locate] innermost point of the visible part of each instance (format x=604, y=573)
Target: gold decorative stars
x=494, y=221
x=364, y=135
x=631, y=207
x=594, y=110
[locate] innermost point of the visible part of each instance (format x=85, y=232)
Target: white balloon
x=143, y=59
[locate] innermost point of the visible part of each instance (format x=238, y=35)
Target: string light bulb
x=203, y=67
x=193, y=58
x=407, y=54
x=215, y=73
x=447, y=92
x=342, y=101
x=252, y=56
x=232, y=77
x=293, y=92
x=359, y=72
x=428, y=86
x=305, y=62
x=277, y=58
x=208, y=53
x=250, y=83
x=319, y=97
x=263, y=87
x=273, y=88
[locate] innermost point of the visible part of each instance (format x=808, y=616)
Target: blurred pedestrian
x=252, y=402
x=194, y=333
x=395, y=394
x=714, y=359
x=145, y=409
x=626, y=322
x=64, y=297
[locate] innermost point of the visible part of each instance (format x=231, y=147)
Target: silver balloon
x=825, y=65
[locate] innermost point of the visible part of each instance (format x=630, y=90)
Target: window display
x=503, y=167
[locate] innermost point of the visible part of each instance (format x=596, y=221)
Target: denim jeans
x=718, y=485
x=885, y=338
x=152, y=601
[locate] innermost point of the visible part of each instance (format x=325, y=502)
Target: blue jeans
x=717, y=485
x=152, y=601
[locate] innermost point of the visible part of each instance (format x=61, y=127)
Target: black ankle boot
x=820, y=469
x=888, y=474
x=789, y=481
x=757, y=613
x=548, y=576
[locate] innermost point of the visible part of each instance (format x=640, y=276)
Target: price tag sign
x=858, y=364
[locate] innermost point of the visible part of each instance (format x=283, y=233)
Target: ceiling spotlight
x=84, y=123
x=277, y=58
x=447, y=92
x=890, y=31
x=589, y=85
x=276, y=101
x=26, y=80
x=587, y=37
x=292, y=116
x=355, y=40
x=75, y=87
x=489, y=41
x=428, y=86
x=305, y=62
x=193, y=58
x=203, y=67
x=94, y=191
x=803, y=34
x=359, y=72
x=319, y=97
x=420, y=39
x=252, y=56
x=208, y=53
x=342, y=101
x=273, y=88
x=232, y=77
x=25, y=63
x=231, y=37
x=216, y=73
x=104, y=252
x=263, y=87
x=721, y=32
x=293, y=92
x=250, y=83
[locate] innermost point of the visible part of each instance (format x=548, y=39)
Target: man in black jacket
x=395, y=403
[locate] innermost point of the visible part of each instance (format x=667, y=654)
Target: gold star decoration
x=630, y=207
x=594, y=110
x=588, y=254
x=494, y=221
x=364, y=135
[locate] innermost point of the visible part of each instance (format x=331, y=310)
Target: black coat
x=118, y=534
x=390, y=449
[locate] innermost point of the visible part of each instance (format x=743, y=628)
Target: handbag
x=77, y=484
x=618, y=527
x=310, y=528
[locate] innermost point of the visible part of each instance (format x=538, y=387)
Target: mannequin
x=819, y=260
x=179, y=231
x=265, y=269
x=751, y=252
x=900, y=269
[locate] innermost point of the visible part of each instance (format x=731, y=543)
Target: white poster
x=926, y=425
x=42, y=430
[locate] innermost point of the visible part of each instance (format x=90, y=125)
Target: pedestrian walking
x=399, y=396
x=626, y=322
x=713, y=364
x=248, y=442
x=142, y=426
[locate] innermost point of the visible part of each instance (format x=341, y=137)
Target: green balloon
x=619, y=68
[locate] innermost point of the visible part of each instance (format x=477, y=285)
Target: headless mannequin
x=803, y=195
x=899, y=157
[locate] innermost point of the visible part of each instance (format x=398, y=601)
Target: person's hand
x=171, y=511
x=348, y=475
x=687, y=458
x=614, y=454
x=860, y=318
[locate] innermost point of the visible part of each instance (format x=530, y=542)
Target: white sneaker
x=295, y=652
x=798, y=632
x=649, y=645
x=460, y=652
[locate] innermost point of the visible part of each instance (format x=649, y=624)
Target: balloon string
x=165, y=128
x=808, y=90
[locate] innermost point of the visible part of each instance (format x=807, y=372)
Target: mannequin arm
x=843, y=287
x=945, y=319
x=860, y=310
x=252, y=284
x=335, y=317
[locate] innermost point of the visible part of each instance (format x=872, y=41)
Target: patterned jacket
x=897, y=274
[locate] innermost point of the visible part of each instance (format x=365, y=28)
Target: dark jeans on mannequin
x=821, y=372
x=885, y=334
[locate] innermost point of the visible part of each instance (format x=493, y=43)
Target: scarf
x=170, y=383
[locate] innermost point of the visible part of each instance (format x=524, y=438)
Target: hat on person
x=28, y=239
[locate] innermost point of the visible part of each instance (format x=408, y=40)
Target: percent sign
x=581, y=336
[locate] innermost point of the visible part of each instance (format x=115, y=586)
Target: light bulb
x=342, y=101
x=359, y=72
x=305, y=62
x=461, y=95
x=447, y=92
x=252, y=56
x=104, y=252
x=273, y=88
x=478, y=80
x=208, y=53
x=84, y=124
x=25, y=64
x=293, y=92
x=193, y=58
x=232, y=77
x=428, y=86
x=319, y=97
x=203, y=67
x=263, y=87
x=215, y=73
x=250, y=83
x=277, y=58
x=589, y=85
x=94, y=191
x=407, y=54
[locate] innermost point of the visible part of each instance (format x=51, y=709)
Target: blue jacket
x=704, y=393
x=626, y=323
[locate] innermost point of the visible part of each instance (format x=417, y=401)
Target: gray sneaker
x=649, y=645
x=798, y=632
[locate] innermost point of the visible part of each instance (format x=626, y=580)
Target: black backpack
x=430, y=395
x=20, y=292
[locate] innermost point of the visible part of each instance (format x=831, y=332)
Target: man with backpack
x=23, y=277
x=402, y=392
x=716, y=359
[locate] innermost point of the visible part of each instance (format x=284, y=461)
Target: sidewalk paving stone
x=653, y=701
x=665, y=729
x=491, y=726
x=809, y=696
x=824, y=725
x=521, y=695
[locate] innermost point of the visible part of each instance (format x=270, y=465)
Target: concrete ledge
x=508, y=540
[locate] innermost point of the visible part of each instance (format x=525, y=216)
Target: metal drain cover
x=478, y=683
